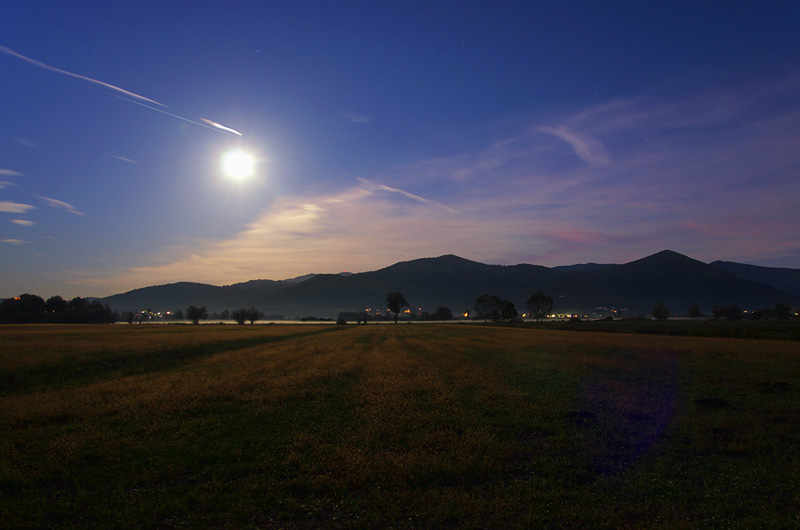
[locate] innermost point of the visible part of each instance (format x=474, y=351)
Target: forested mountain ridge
x=677, y=280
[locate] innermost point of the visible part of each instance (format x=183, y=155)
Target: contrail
x=89, y=79
x=221, y=127
x=214, y=127
x=138, y=99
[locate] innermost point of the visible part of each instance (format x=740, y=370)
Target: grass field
x=428, y=426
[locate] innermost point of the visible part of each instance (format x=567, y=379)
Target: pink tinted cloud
x=14, y=207
x=706, y=176
x=365, y=227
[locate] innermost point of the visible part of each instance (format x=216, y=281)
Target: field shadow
x=74, y=372
x=624, y=410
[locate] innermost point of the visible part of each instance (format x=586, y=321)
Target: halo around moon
x=237, y=165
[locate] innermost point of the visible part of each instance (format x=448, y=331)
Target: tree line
x=492, y=307
x=30, y=308
x=733, y=312
x=196, y=314
x=242, y=315
x=487, y=307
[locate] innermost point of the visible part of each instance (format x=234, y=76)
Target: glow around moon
x=237, y=165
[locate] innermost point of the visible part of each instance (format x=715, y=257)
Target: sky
x=550, y=133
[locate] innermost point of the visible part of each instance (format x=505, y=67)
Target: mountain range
x=428, y=283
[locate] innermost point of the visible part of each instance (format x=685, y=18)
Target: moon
x=237, y=165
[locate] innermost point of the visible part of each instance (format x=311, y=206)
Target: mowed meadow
x=394, y=426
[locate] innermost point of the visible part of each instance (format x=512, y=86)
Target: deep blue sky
x=504, y=132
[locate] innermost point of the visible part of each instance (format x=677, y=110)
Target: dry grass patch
x=397, y=426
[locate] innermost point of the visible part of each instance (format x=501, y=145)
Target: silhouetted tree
x=540, y=305
x=509, y=311
x=92, y=312
x=239, y=315
x=177, y=315
x=77, y=308
x=489, y=307
x=31, y=308
x=23, y=309
x=129, y=316
x=731, y=312
x=694, y=312
x=783, y=311
x=196, y=314
x=253, y=314
x=56, y=306
x=660, y=311
x=395, y=301
x=443, y=313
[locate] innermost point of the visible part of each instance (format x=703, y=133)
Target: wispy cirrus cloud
x=355, y=117
x=9, y=174
x=587, y=149
x=24, y=142
x=55, y=203
x=713, y=176
x=125, y=159
x=372, y=186
x=14, y=241
x=22, y=222
x=14, y=207
x=365, y=224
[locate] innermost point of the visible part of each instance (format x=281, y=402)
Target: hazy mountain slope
x=669, y=277
x=180, y=295
x=168, y=297
x=783, y=279
x=428, y=282
x=583, y=267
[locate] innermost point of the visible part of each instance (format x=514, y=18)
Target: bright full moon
x=237, y=165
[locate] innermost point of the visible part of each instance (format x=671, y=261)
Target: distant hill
x=180, y=295
x=455, y=282
x=583, y=267
x=787, y=280
x=428, y=282
x=677, y=280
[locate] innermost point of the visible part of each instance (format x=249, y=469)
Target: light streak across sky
x=507, y=132
x=134, y=97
